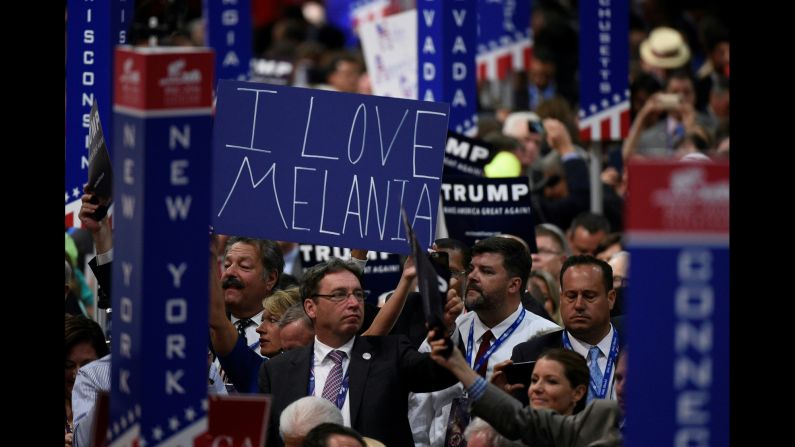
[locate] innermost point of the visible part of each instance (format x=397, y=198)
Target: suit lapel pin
x=366, y=356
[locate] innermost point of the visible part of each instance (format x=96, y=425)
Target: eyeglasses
x=340, y=296
x=459, y=273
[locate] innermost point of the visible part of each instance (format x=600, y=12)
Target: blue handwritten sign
x=325, y=167
x=476, y=208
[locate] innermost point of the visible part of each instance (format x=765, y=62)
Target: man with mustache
x=586, y=298
x=344, y=368
x=249, y=272
x=497, y=322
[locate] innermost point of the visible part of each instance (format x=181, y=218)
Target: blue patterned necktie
x=334, y=379
x=596, y=373
x=242, y=324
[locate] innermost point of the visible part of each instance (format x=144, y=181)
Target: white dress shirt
x=252, y=337
x=429, y=412
x=582, y=348
x=322, y=366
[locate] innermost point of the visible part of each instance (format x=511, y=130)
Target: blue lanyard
x=611, y=359
x=494, y=345
x=343, y=388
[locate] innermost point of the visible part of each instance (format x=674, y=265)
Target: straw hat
x=665, y=48
x=373, y=442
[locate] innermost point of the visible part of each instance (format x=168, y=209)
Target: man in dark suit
x=345, y=368
x=586, y=299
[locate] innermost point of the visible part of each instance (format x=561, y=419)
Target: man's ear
x=514, y=285
x=310, y=307
x=611, y=298
x=272, y=278
x=578, y=393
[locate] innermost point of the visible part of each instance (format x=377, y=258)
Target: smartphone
x=669, y=101
x=519, y=372
x=101, y=211
x=535, y=127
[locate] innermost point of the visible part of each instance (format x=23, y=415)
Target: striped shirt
x=91, y=379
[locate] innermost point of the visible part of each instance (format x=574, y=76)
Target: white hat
x=665, y=48
x=695, y=157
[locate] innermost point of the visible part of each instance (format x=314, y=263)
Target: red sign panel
x=236, y=420
x=163, y=78
x=675, y=197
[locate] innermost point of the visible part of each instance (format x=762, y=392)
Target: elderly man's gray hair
x=305, y=414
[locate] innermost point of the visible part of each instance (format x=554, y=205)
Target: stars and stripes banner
x=446, y=39
x=92, y=30
x=163, y=132
x=229, y=33
x=604, y=70
x=505, y=41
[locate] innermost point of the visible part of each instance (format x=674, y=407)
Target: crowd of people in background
x=560, y=306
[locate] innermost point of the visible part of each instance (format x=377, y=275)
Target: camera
x=669, y=101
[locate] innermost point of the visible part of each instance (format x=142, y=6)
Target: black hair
x=516, y=259
x=607, y=271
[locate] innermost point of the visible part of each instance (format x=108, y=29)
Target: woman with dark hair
x=84, y=343
x=596, y=424
x=559, y=382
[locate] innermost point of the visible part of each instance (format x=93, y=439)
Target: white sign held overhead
x=390, y=52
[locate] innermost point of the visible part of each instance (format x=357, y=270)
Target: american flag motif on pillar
x=72, y=209
x=505, y=41
x=93, y=29
x=604, y=70
x=366, y=11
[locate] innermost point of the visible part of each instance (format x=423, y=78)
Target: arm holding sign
x=240, y=363
x=102, y=234
x=596, y=424
x=222, y=332
x=100, y=230
x=385, y=319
